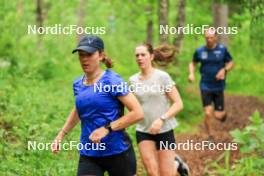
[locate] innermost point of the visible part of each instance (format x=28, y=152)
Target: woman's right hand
x=55, y=146
x=156, y=126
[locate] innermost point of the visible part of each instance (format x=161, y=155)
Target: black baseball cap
x=90, y=44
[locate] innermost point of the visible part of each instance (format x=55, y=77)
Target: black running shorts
x=163, y=141
x=116, y=165
x=215, y=97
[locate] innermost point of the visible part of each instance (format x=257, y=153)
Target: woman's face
x=90, y=62
x=143, y=57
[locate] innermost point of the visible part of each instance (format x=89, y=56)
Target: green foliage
x=251, y=138
x=36, y=72
x=251, y=146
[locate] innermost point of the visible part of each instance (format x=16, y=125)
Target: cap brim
x=87, y=49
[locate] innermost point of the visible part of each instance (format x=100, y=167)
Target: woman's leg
x=167, y=165
x=169, y=162
x=149, y=156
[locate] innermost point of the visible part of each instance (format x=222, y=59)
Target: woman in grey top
x=161, y=101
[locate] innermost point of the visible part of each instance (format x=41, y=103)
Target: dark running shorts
x=215, y=97
x=163, y=141
x=121, y=164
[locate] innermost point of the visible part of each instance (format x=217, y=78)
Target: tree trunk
x=80, y=16
x=150, y=32
x=20, y=8
x=178, y=41
x=256, y=24
x=149, y=11
x=39, y=18
x=163, y=10
x=220, y=14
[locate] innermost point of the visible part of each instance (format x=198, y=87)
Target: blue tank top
x=98, y=105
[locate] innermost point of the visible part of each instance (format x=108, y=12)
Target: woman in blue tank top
x=100, y=97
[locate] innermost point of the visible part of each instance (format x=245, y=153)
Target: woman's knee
x=167, y=165
x=151, y=166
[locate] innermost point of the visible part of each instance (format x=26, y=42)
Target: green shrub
x=251, y=146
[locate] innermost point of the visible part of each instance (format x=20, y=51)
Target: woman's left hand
x=98, y=134
x=156, y=126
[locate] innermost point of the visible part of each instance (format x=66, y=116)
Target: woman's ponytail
x=163, y=54
x=108, y=62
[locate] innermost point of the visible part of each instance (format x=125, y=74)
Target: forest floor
x=239, y=108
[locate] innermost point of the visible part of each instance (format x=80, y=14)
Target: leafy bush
x=251, y=146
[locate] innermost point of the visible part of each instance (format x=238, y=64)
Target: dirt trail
x=239, y=108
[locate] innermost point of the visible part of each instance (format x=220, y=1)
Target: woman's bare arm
x=72, y=120
x=176, y=100
x=134, y=115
